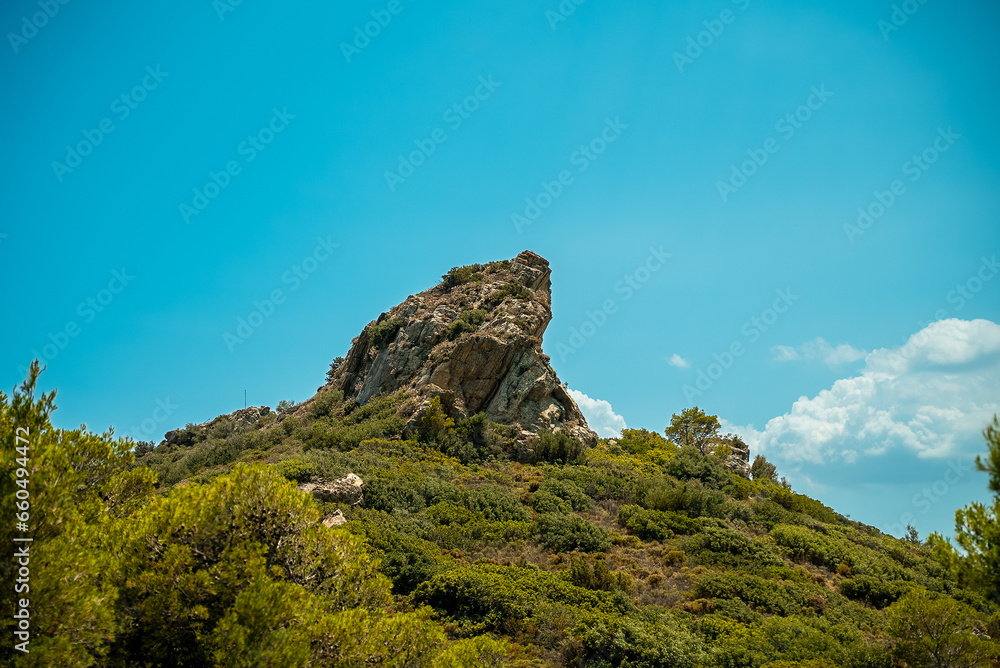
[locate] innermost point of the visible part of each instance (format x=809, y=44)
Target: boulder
x=349, y=489
x=334, y=520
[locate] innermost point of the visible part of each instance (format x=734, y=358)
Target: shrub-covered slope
x=636, y=552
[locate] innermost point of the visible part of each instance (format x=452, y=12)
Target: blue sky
x=234, y=153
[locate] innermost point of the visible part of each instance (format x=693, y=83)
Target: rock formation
x=739, y=458
x=244, y=416
x=475, y=341
x=349, y=489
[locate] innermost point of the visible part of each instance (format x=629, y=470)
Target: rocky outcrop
x=349, y=489
x=243, y=417
x=334, y=520
x=739, y=458
x=475, y=341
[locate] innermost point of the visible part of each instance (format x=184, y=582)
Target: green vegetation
x=514, y=290
x=467, y=321
x=472, y=273
x=383, y=333
x=472, y=547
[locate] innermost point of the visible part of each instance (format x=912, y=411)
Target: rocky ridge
x=475, y=341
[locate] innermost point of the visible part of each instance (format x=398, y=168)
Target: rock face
x=349, y=489
x=738, y=461
x=475, y=341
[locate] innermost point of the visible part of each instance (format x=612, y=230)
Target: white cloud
x=820, y=349
x=678, y=361
x=600, y=416
x=930, y=397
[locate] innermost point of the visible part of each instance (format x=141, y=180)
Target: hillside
x=490, y=526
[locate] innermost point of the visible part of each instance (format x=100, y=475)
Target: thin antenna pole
x=244, y=399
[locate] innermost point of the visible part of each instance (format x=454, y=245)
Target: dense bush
x=470, y=273
x=598, y=576
x=513, y=289
x=564, y=532
x=297, y=470
x=691, y=497
x=467, y=321
x=803, y=543
x=555, y=495
x=723, y=545
x=384, y=332
x=656, y=524
x=648, y=640
x=556, y=448
x=874, y=591
x=496, y=505
x=488, y=597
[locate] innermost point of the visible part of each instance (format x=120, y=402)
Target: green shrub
x=296, y=469
x=470, y=273
x=513, y=289
x=759, y=593
x=802, y=543
x=656, y=524
x=384, y=332
x=567, y=532
x=324, y=402
x=722, y=545
x=647, y=640
x=640, y=441
x=690, y=464
x=555, y=495
x=598, y=577
x=691, y=497
x=488, y=597
x=875, y=591
x=459, y=527
x=495, y=505
x=407, y=560
x=768, y=514
x=467, y=321
x=557, y=448
x=800, y=503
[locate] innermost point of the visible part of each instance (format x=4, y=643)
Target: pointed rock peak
x=475, y=340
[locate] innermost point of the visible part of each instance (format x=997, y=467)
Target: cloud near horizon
x=819, y=348
x=931, y=397
x=600, y=416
